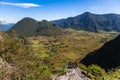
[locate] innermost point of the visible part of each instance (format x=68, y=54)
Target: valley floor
x=73, y=46
x=44, y=56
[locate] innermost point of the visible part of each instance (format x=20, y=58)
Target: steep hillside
x=108, y=56
x=48, y=29
x=29, y=27
x=91, y=22
x=18, y=61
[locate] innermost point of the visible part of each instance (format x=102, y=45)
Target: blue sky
x=14, y=10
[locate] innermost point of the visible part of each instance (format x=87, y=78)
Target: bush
x=96, y=70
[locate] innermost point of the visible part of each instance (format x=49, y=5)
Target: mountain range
x=91, y=22
x=5, y=27
x=29, y=27
x=108, y=56
x=87, y=21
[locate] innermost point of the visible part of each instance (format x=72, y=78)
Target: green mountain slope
x=18, y=61
x=91, y=22
x=29, y=27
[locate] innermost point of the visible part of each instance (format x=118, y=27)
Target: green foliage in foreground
x=96, y=70
x=37, y=61
x=97, y=73
x=26, y=64
x=20, y=63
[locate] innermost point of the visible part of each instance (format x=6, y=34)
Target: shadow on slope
x=107, y=57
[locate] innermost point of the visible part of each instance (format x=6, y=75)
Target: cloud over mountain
x=23, y=5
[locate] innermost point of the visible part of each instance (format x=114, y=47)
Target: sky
x=14, y=10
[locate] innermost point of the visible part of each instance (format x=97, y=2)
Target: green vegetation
x=73, y=46
x=95, y=72
x=91, y=22
x=40, y=57
x=19, y=61
x=29, y=27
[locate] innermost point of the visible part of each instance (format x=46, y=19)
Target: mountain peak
x=44, y=21
x=29, y=27
x=91, y=22
x=28, y=19
x=87, y=14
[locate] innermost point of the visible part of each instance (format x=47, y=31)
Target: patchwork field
x=41, y=57
x=75, y=45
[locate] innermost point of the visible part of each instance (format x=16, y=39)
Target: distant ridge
x=91, y=22
x=5, y=27
x=29, y=27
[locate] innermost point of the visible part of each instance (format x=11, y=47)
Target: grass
x=36, y=42
x=73, y=46
x=43, y=56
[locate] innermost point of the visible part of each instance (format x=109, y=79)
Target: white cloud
x=23, y=5
x=94, y=8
